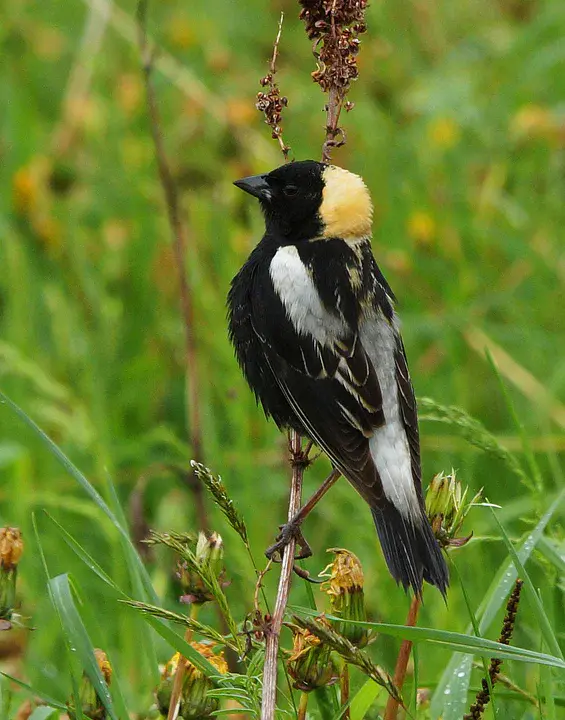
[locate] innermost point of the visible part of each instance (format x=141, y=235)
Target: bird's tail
x=411, y=550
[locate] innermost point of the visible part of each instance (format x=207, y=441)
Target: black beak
x=255, y=185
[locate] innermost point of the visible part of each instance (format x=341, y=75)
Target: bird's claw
x=288, y=532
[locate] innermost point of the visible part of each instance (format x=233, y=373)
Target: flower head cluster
x=194, y=702
x=344, y=587
x=335, y=26
x=447, y=508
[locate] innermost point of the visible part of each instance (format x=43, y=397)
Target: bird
x=315, y=332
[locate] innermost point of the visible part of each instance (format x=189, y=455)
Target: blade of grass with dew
x=533, y=597
x=459, y=668
x=364, y=698
x=70, y=655
x=80, y=643
x=451, y=640
x=459, y=690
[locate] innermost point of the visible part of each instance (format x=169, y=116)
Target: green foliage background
x=459, y=131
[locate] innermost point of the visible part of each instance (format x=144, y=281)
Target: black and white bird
x=313, y=324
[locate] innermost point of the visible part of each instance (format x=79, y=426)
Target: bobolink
x=313, y=324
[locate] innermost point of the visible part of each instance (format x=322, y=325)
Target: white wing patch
x=389, y=445
x=295, y=287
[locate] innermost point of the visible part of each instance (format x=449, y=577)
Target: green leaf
x=35, y=692
x=454, y=641
x=533, y=597
x=178, y=643
x=80, y=643
x=445, y=701
x=364, y=698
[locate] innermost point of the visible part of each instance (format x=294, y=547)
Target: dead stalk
x=178, y=233
x=402, y=661
x=273, y=631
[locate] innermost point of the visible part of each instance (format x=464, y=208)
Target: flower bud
x=194, y=703
x=311, y=664
x=447, y=509
x=90, y=704
x=209, y=553
x=344, y=587
x=11, y=549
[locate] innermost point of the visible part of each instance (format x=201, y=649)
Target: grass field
x=459, y=131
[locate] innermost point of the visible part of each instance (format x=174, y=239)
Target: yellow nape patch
x=346, y=210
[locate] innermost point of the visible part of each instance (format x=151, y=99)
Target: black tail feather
x=411, y=550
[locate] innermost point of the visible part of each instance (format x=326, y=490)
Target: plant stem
x=174, y=706
x=303, y=705
x=402, y=660
x=344, y=687
x=272, y=633
x=178, y=232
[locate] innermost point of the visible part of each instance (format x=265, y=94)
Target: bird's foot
x=288, y=532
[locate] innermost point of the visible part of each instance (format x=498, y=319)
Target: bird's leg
x=291, y=529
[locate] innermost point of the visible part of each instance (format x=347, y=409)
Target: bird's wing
x=329, y=382
x=408, y=411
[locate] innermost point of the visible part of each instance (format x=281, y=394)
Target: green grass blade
x=34, y=692
x=459, y=668
x=533, y=597
x=142, y=585
x=71, y=656
x=453, y=640
x=80, y=643
x=81, y=553
x=63, y=459
x=178, y=643
x=364, y=698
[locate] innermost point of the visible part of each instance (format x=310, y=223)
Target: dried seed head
x=344, y=587
x=195, y=702
x=11, y=548
x=104, y=665
x=90, y=703
x=311, y=664
x=207, y=560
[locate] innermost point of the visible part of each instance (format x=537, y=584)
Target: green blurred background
x=459, y=131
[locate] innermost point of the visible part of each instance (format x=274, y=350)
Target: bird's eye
x=290, y=190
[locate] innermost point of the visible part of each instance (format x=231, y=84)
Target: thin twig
x=402, y=660
x=344, y=691
x=272, y=634
x=272, y=103
x=179, y=247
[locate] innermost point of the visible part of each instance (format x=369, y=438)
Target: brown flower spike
x=335, y=27
x=271, y=102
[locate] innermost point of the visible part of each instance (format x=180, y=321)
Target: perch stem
x=273, y=631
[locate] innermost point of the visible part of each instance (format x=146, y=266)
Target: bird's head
x=308, y=199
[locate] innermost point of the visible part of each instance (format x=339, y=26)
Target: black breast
x=251, y=296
